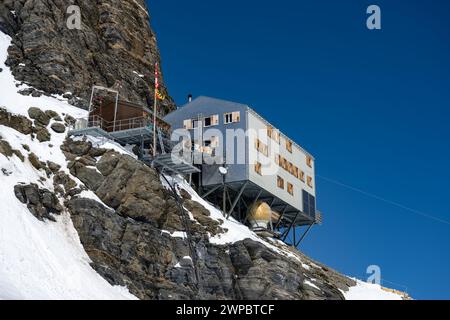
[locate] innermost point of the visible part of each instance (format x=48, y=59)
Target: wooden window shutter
x=215, y=120
x=302, y=176
x=290, y=188
x=309, y=161
x=310, y=182
x=258, y=168
x=280, y=182
x=289, y=145
x=269, y=131
x=187, y=124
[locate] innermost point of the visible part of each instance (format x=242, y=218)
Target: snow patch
x=19, y=104
x=368, y=291
x=312, y=285
x=103, y=143
x=176, y=234
x=40, y=260
x=236, y=230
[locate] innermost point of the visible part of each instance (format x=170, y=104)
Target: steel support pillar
x=290, y=227
x=237, y=199
x=281, y=218
x=304, y=235
x=204, y=196
x=256, y=200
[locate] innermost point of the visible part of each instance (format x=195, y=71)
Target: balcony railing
x=119, y=125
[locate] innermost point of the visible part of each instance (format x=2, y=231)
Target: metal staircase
x=186, y=221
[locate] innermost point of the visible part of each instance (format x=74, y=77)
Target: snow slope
x=368, y=291
x=39, y=260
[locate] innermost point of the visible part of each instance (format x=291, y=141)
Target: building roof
x=232, y=104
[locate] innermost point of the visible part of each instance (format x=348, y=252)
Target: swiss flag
x=156, y=76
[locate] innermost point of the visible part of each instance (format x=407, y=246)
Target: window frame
x=310, y=182
x=309, y=161
x=289, y=146
x=213, y=121
x=234, y=117
x=191, y=124
x=258, y=168
x=302, y=176
x=261, y=147
x=290, y=188
x=280, y=182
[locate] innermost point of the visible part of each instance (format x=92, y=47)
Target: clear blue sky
x=372, y=106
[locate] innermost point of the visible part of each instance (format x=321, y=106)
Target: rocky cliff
x=115, y=43
x=133, y=244
x=82, y=218
x=158, y=242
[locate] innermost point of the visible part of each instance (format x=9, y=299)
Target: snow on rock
x=236, y=230
x=40, y=260
x=103, y=143
x=312, y=285
x=19, y=104
x=368, y=291
x=176, y=234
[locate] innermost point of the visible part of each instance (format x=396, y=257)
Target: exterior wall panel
x=205, y=107
x=256, y=127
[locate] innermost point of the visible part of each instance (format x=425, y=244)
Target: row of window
x=290, y=186
x=284, y=163
x=294, y=170
x=231, y=117
x=274, y=134
x=280, y=180
x=262, y=147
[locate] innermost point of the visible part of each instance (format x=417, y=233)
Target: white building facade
x=263, y=164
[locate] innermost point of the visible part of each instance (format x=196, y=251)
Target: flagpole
x=154, y=110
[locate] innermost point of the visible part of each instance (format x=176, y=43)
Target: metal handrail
x=119, y=125
x=124, y=124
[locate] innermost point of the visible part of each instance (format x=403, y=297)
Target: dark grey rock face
x=39, y=116
x=58, y=127
x=128, y=246
x=115, y=44
x=41, y=202
x=18, y=123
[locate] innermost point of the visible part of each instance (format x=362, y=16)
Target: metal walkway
x=173, y=164
x=137, y=136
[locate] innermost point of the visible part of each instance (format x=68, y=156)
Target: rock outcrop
x=115, y=43
x=138, y=237
x=42, y=203
x=18, y=123
x=131, y=242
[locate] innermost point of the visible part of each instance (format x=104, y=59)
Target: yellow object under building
x=260, y=215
